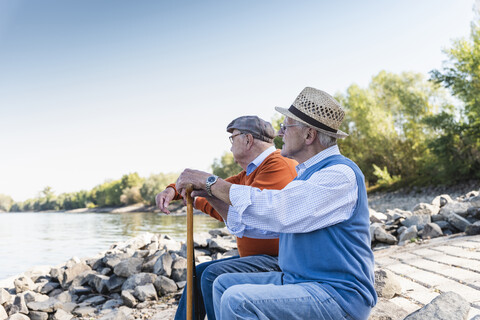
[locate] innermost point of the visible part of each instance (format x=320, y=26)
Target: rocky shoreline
x=143, y=277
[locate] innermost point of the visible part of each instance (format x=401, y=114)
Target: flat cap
x=258, y=128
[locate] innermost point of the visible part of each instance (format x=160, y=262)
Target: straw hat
x=318, y=110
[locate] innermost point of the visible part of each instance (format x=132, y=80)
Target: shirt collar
x=258, y=160
x=333, y=150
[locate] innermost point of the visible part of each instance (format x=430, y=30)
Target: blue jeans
x=263, y=296
x=207, y=272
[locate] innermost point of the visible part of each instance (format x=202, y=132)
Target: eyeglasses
x=283, y=127
x=233, y=136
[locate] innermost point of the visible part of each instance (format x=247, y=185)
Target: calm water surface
x=31, y=239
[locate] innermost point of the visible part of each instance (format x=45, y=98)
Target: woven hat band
x=310, y=120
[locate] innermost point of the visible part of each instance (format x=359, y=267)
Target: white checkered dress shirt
x=326, y=198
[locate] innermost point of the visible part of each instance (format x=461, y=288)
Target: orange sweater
x=275, y=172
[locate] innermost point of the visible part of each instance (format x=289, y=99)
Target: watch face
x=211, y=179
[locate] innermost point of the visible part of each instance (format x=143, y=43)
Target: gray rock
x=114, y=283
x=165, y=285
x=3, y=313
x=474, y=201
x=98, y=282
x=18, y=316
x=129, y=299
x=179, y=269
x=37, y=315
x=23, y=283
x=377, y=217
x=473, y=229
x=181, y=284
x=442, y=224
x=457, y=221
x=418, y=220
x=95, y=301
x=219, y=232
x=4, y=296
x=447, y=306
x=146, y=292
x=140, y=279
x=112, y=303
x=221, y=244
x=141, y=254
x=398, y=214
x=459, y=208
x=386, y=284
x=49, y=305
x=401, y=230
x=80, y=290
x=442, y=200
x=408, y=234
x=70, y=273
x=49, y=287
x=431, y=230
x=64, y=297
x=383, y=236
x=200, y=239
x=163, y=266
x=62, y=315
x=425, y=208
x=128, y=267
x=20, y=303
x=111, y=260
x=386, y=310
x=170, y=245
x=84, y=311
x=123, y=313
x=68, y=306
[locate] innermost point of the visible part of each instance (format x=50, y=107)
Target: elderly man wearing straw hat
x=264, y=167
x=322, y=217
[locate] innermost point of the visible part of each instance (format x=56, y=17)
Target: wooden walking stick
x=190, y=262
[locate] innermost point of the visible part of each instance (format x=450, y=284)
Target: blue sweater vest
x=338, y=257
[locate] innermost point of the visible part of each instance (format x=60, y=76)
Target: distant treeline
x=131, y=188
x=404, y=129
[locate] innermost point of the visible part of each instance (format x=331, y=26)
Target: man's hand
x=195, y=177
x=163, y=199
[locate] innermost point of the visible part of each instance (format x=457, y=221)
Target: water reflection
x=30, y=239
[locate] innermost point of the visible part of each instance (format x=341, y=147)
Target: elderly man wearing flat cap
x=322, y=216
x=263, y=167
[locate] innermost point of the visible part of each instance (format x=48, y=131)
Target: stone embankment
x=427, y=267
x=138, y=279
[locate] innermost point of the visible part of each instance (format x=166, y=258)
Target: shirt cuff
x=240, y=199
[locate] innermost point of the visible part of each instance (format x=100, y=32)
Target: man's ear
x=249, y=140
x=311, y=136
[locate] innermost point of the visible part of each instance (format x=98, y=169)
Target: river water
x=31, y=239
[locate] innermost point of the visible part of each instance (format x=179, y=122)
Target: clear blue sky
x=91, y=90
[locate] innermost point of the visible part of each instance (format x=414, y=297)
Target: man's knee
x=232, y=299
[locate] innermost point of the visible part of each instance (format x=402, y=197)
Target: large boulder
x=419, y=220
x=459, y=208
x=447, y=306
x=139, y=279
x=165, y=285
x=179, y=269
x=408, y=234
x=23, y=283
x=163, y=266
x=431, y=230
x=458, y=221
x=383, y=236
x=146, y=292
x=473, y=229
x=425, y=208
x=128, y=267
x=386, y=284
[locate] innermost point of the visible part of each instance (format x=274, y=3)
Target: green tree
x=457, y=145
x=6, y=202
x=154, y=184
x=385, y=127
x=226, y=166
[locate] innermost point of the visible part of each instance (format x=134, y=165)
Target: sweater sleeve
x=203, y=205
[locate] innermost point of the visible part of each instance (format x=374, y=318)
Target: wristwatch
x=209, y=183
